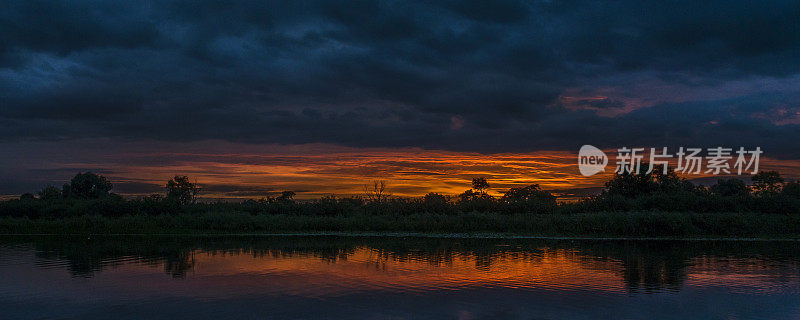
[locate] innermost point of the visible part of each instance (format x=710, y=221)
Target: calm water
x=396, y=278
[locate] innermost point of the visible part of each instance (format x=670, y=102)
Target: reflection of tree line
x=652, y=266
x=85, y=256
x=646, y=265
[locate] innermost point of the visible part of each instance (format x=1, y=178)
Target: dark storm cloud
x=451, y=75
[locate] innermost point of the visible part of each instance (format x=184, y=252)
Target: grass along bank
x=601, y=224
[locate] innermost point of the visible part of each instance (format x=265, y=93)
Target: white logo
x=591, y=160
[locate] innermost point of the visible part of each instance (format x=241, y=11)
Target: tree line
x=657, y=190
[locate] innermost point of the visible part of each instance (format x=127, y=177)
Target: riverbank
x=679, y=225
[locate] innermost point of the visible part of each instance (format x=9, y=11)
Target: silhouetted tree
x=377, y=192
x=792, y=189
x=286, y=196
x=632, y=184
x=88, y=186
x=27, y=197
x=183, y=191
x=767, y=182
x=480, y=184
x=670, y=181
x=529, y=199
x=468, y=195
x=49, y=193
x=434, y=202
x=66, y=191
x=434, y=197
x=730, y=187
x=530, y=193
x=477, y=201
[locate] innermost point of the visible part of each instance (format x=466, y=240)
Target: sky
x=249, y=98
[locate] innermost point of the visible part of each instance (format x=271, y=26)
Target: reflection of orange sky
x=363, y=269
x=230, y=170
x=738, y=273
x=368, y=268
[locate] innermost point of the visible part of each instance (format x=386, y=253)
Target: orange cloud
x=231, y=170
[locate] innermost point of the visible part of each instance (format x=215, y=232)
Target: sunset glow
x=372, y=159
x=228, y=170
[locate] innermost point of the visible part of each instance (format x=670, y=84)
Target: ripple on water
x=556, y=275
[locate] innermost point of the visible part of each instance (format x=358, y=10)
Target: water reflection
x=646, y=266
x=324, y=269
